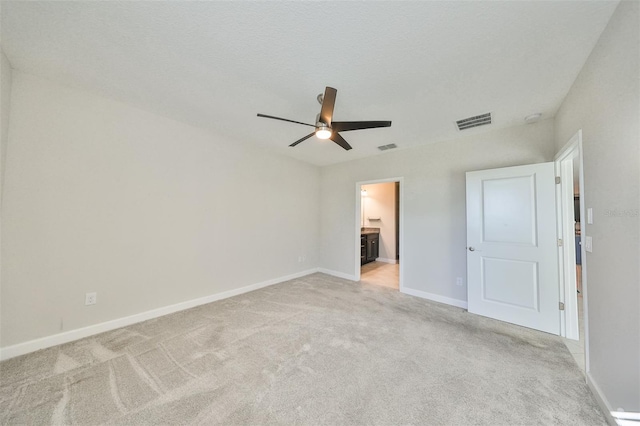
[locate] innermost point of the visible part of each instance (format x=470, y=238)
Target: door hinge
x=559, y=242
x=558, y=179
x=561, y=306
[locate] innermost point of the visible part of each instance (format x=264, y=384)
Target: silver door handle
x=472, y=249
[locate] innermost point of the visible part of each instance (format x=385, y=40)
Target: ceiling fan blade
x=302, y=139
x=340, y=141
x=345, y=126
x=285, y=119
x=328, y=102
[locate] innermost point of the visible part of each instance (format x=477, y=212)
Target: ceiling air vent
x=478, y=120
x=386, y=147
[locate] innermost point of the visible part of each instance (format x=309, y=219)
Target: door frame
x=566, y=253
x=400, y=218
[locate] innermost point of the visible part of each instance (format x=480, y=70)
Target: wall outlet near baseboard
x=91, y=298
x=459, y=281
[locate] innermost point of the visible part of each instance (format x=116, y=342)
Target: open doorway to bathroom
x=379, y=234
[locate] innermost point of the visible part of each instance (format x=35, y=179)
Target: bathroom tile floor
x=380, y=273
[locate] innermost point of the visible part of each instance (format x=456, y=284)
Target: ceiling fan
x=326, y=128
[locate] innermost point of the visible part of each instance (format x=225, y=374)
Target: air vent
x=478, y=120
x=386, y=147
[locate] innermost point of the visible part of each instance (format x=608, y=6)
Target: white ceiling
x=422, y=65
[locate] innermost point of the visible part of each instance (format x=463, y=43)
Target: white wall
x=380, y=202
x=605, y=103
x=5, y=108
x=144, y=210
x=434, y=201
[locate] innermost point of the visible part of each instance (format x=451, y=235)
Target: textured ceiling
x=422, y=65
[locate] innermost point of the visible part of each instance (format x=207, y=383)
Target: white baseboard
x=601, y=400
x=338, y=274
x=385, y=260
x=69, y=336
x=435, y=297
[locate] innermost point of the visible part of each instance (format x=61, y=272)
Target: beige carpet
x=315, y=350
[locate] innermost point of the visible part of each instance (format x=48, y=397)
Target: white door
x=512, y=258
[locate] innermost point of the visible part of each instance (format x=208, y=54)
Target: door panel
x=512, y=263
x=509, y=210
x=511, y=282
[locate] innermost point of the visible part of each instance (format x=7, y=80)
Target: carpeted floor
x=315, y=350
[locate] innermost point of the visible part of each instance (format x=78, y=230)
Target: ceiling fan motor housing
x=320, y=123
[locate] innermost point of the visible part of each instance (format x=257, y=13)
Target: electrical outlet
x=459, y=281
x=90, y=298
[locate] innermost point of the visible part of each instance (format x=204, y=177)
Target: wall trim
x=80, y=333
x=435, y=297
x=598, y=395
x=338, y=274
x=385, y=260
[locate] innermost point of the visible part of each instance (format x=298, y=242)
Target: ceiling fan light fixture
x=323, y=131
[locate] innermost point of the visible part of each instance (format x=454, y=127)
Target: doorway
x=378, y=232
x=571, y=220
x=490, y=278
